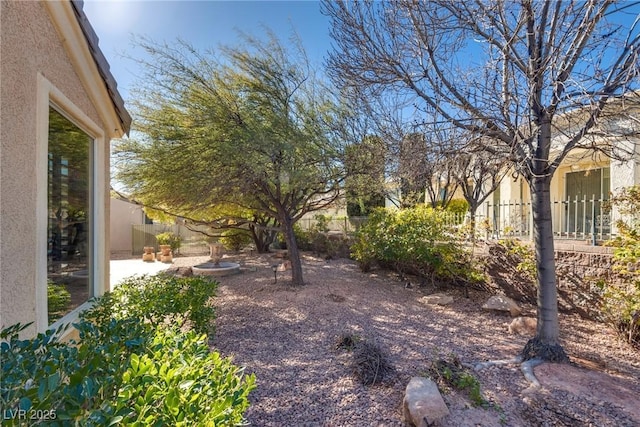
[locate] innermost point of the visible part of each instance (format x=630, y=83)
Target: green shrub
x=621, y=301
x=525, y=256
x=169, y=238
x=458, y=206
x=131, y=366
x=303, y=238
x=279, y=242
x=161, y=298
x=322, y=223
x=122, y=372
x=178, y=380
x=58, y=299
x=235, y=240
x=449, y=373
x=414, y=240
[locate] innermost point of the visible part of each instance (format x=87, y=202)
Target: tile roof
x=102, y=64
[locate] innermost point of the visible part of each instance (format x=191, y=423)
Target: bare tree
x=478, y=174
x=509, y=71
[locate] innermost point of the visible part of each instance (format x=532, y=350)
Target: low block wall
x=579, y=268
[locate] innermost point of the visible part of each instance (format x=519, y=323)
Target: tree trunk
x=473, y=209
x=545, y=345
x=292, y=249
x=262, y=238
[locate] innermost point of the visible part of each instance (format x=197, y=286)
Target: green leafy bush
x=178, y=380
x=235, y=240
x=169, y=238
x=458, y=206
x=449, y=373
x=58, y=299
x=131, y=366
x=160, y=298
x=621, y=300
x=322, y=223
x=525, y=256
x=415, y=240
x=303, y=238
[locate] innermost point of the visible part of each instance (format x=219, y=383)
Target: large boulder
x=423, y=405
x=503, y=304
x=438, y=299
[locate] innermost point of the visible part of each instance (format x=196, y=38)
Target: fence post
x=593, y=220
x=530, y=220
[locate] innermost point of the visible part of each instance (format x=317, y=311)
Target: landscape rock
x=502, y=303
x=438, y=299
x=523, y=326
x=423, y=405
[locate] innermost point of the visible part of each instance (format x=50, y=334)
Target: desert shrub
x=415, y=240
x=58, y=299
x=370, y=363
x=317, y=239
x=347, y=341
x=235, y=240
x=130, y=367
x=458, y=206
x=169, y=238
x=322, y=223
x=449, y=374
x=279, y=242
x=621, y=300
x=303, y=238
x=123, y=372
x=524, y=255
x=161, y=298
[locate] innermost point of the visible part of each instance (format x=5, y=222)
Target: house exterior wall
x=37, y=70
x=123, y=216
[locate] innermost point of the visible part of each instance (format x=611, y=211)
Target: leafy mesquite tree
x=506, y=70
x=252, y=127
x=365, y=182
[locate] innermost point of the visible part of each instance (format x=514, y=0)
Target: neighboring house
x=60, y=108
x=582, y=184
x=124, y=215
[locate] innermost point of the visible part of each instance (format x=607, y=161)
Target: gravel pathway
x=287, y=337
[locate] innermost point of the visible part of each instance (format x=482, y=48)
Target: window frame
x=49, y=96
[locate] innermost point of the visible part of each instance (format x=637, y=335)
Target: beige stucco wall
x=123, y=215
x=30, y=45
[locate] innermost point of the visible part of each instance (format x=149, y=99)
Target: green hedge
x=136, y=363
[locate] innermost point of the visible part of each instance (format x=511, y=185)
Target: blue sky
x=205, y=24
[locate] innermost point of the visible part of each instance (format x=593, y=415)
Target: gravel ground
x=287, y=337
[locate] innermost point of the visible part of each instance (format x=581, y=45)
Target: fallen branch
x=526, y=366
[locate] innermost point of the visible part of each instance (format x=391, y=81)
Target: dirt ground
x=287, y=336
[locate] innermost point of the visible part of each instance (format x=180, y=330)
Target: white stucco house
x=581, y=185
x=584, y=181
x=60, y=108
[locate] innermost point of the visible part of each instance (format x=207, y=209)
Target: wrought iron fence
x=578, y=219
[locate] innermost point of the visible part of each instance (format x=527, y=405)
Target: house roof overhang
x=81, y=43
